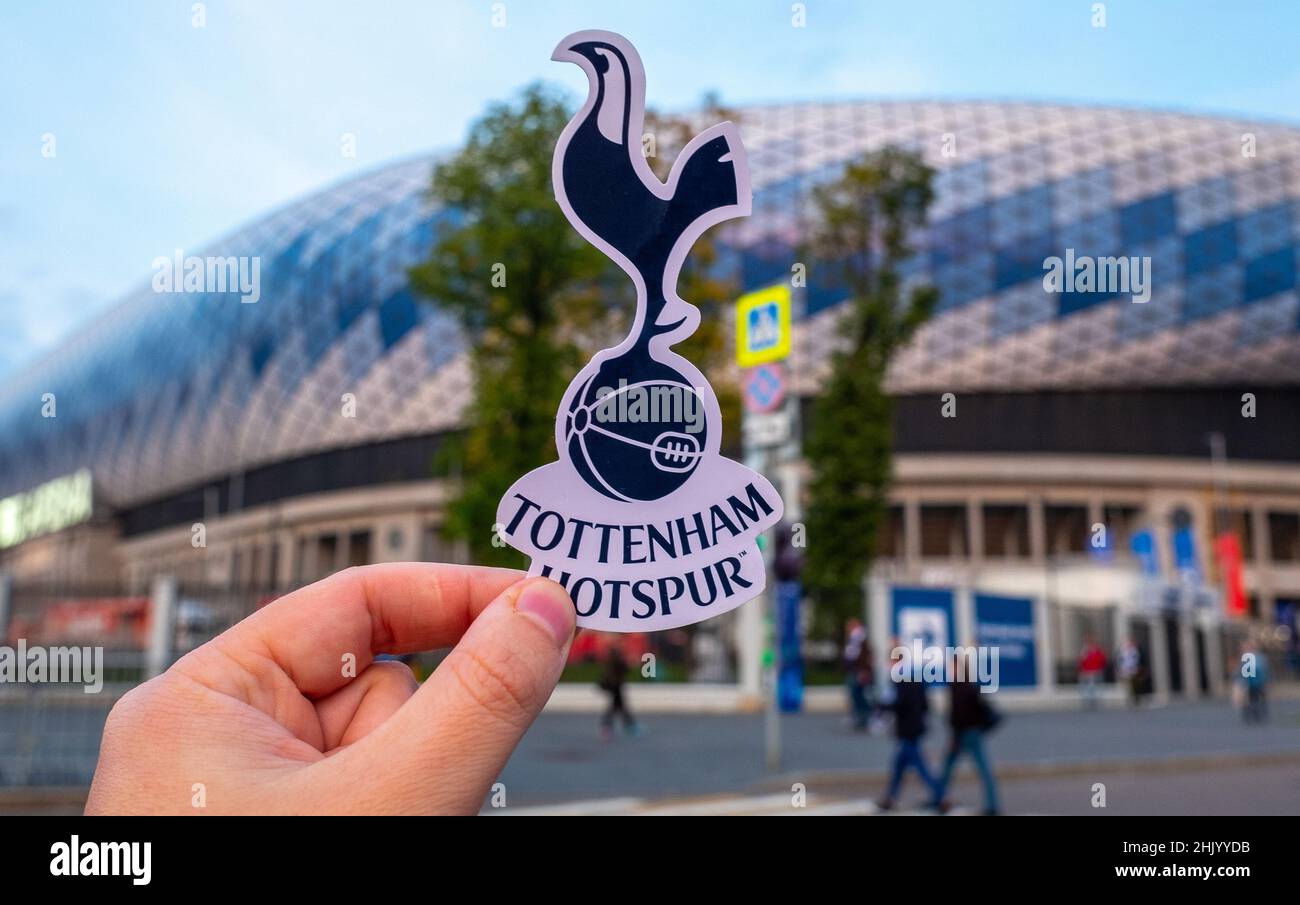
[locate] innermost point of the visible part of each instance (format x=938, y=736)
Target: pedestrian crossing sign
x=763, y=326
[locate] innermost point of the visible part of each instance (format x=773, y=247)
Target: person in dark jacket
x=909, y=706
x=969, y=716
x=859, y=675
x=613, y=675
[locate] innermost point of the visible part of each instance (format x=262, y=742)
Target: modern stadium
x=299, y=431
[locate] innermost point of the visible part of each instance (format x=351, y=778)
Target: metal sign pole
x=762, y=342
x=756, y=457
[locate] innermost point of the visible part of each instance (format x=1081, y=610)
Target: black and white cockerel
x=608, y=192
x=606, y=187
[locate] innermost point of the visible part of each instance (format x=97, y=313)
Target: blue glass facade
x=170, y=390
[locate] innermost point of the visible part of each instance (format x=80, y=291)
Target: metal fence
x=104, y=641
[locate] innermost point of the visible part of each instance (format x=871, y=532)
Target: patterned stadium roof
x=167, y=390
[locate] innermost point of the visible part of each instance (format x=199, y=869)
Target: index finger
x=390, y=608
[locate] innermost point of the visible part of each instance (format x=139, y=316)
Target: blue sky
x=169, y=136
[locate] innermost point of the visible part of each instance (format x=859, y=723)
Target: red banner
x=1228, y=549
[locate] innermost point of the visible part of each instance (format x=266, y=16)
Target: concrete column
x=1118, y=628
x=311, y=555
x=255, y=568
x=1187, y=651
x=1119, y=619
x=342, y=549
x=1263, y=561
x=1037, y=530
x=1046, y=665
x=1160, y=680
x=912, y=537
x=1163, y=535
x=1213, y=654
x=1203, y=524
x=287, y=560
x=215, y=568
x=162, y=625
x=1262, y=553
x=1096, y=514
x=225, y=559
x=879, y=628
x=975, y=531
x=963, y=616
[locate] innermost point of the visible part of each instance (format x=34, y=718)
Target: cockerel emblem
x=608, y=191
x=624, y=520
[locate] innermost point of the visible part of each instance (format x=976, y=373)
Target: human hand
x=267, y=718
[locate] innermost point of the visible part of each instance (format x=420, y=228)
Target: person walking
x=613, y=677
x=859, y=674
x=1254, y=679
x=1132, y=670
x=909, y=706
x=969, y=716
x=1092, y=667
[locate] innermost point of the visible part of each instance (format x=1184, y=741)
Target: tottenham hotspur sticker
x=642, y=520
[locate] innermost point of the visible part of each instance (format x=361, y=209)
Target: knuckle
x=132, y=705
x=496, y=683
x=135, y=712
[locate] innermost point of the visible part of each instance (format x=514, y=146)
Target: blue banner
x=1143, y=546
x=1007, y=623
x=789, y=678
x=1186, y=560
x=922, y=614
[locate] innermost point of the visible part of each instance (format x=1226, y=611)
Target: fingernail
x=550, y=605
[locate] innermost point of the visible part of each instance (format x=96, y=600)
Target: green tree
x=523, y=285
x=861, y=237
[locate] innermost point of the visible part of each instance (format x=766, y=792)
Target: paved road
x=1255, y=790
x=1048, y=757
x=1187, y=758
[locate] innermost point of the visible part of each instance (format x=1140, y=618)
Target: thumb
x=443, y=749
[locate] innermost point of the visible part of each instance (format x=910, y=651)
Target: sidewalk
x=1268, y=787
x=683, y=755
x=688, y=756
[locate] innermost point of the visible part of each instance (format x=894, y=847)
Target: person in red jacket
x=1092, y=666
